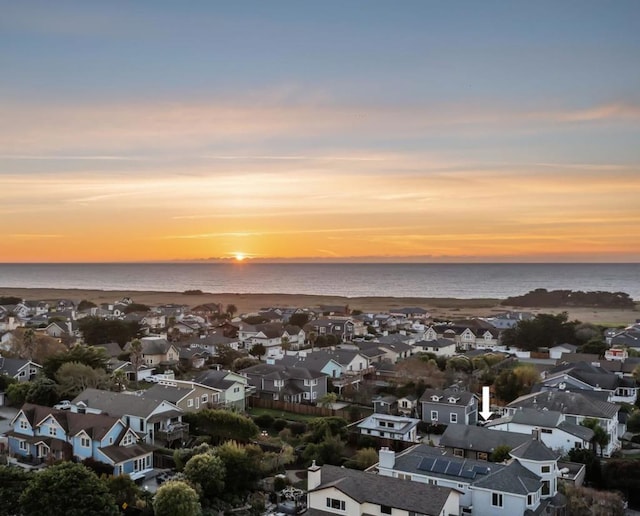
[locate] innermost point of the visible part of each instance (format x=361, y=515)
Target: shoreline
x=441, y=308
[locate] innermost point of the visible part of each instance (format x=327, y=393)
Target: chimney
x=314, y=476
x=536, y=434
x=387, y=458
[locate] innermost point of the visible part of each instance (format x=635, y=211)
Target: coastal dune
x=442, y=308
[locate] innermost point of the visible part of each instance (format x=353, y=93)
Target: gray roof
x=117, y=403
x=155, y=346
x=404, y=424
x=463, y=397
x=583, y=432
x=12, y=366
x=514, y=478
x=534, y=450
x=480, y=439
x=215, y=379
x=166, y=392
x=568, y=403
x=379, y=490
x=439, y=343
x=276, y=371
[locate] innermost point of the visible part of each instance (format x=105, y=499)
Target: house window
x=496, y=499
x=385, y=509
x=404, y=476
x=306, y=395
x=482, y=456
x=546, y=431
x=205, y=398
x=546, y=469
x=333, y=503
x=85, y=442
x=545, y=488
x=23, y=425
x=453, y=418
x=577, y=445
x=236, y=389
x=457, y=452
x=189, y=403
x=23, y=445
x=434, y=415
x=529, y=499
x=52, y=430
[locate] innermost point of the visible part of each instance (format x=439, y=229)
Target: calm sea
x=352, y=280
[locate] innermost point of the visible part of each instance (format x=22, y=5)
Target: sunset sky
x=358, y=130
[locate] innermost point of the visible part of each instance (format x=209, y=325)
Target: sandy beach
x=443, y=308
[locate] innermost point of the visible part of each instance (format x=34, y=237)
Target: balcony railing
x=174, y=432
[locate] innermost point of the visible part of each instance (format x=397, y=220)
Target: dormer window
x=435, y=398
x=453, y=400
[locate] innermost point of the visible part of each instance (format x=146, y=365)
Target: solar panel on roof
x=467, y=473
x=440, y=466
x=481, y=470
x=426, y=464
x=454, y=468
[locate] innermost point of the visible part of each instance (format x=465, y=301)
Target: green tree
x=500, y=453
x=95, y=358
x=101, y=331
x=319, y=427
x=73, y=378
x=243, y=469
x=328, y=399
x=17, y=393
x=182, y=455
x=222, y=425
x=595, y=346
x=284, y=343
x=225, y=355
x=365, y=457
x=43, y=391
x=207, y=471
x=299, y=320
x=231, y=310
x=136, y=307
x=85, y=304
x=312, y=337
x=328, y=451
x=545, y=330
x=600, y=436
x=135, y=355
x=67, y=489
x=513, y=383
x=123, y=490
x=176, y=498
x=258, y=351
x=13, y=481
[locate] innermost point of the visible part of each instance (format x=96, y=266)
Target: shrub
x=297, y=427
x=279, y=424
x=264, y=420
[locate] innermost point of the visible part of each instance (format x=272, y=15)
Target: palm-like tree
x=135, y=356
x=231, y=309
x=312, y=338
x=285, y=344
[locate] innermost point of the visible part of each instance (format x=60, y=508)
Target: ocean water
x=351, y=280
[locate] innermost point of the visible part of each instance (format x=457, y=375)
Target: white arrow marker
x=486, y=403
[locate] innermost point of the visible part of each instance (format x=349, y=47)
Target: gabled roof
x=95, y=425
x=477, y=438
x=276, y=372
x=568, y=403
x=12, y=366
x=462, y=397
x=166, y=392
x=215, y=379
x=534, y=450
x=381, y=490
x=155, y=346
x=514, y=478
x=117, y=403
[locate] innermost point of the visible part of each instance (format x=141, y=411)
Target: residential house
x=187, y=396
x=590, y=377
x=42, y=433
x=193, y=357
x=576, y=407
x=508, y=320
x=527, y=484
x=334, y=490
x=233, y=387
x=344, y=328
x=280, y=382
x=154, y=421
x=439, y=347
x=271, y=336
x=208, y=309
x=556, y=431
x=158, y=352
x=556, y=352
x=449, y=406
x=477, y=442
x=385, y=404
x=20, y=369
x=411, y=312
x=389, y=426
x=467, y=334
x=408, y=405
x=212, y=341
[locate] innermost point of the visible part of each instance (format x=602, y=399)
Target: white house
x=387, y=426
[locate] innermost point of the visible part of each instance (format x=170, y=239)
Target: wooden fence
x=310, y=410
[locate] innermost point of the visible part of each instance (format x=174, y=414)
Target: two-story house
x=154, y=421
x=280, y=382
x=389, y=426
x=158, y=352
x=18, y=368
x=233, y=387
x=40, y=434
x=451, y=406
